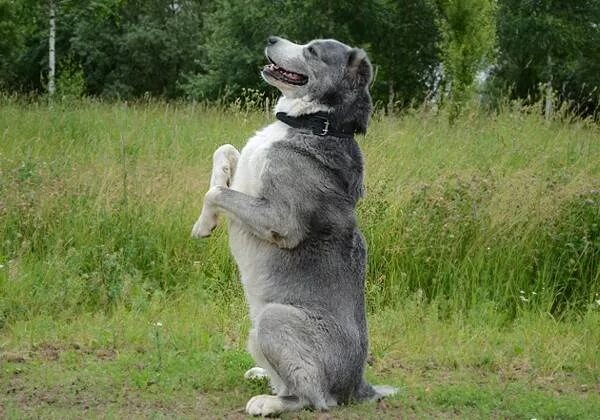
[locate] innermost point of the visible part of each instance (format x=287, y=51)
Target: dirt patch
x=80, y=398
x=106, y=354
x=51, y=352
x=48, y=352
x=11, y=357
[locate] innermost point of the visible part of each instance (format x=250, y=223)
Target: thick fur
x=290, y=199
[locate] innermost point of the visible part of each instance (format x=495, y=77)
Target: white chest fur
x=253, y=158
x=250, y=252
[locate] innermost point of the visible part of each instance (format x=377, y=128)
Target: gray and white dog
x=290, y=198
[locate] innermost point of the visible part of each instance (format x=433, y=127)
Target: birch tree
x=51, y=48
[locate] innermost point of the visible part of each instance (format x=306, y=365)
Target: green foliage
x=212, y=50
x=237, y=31
x=468, y=36
x=572, y=259
x=22, y=54
x=236, y=34
x=403, y=39
x=549, y=41
x=131, y=48
x=10, y=38
x=126, y=48
x=400, y=36
x=70, y=83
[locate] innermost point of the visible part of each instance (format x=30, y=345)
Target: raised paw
x=221, y=176
x=209, y=217
x=205, y=224
x=255, y=373
x=225, y=161
x=264, y=405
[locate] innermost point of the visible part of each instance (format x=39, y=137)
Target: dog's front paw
x=225, y=161
x=264, y=405
x=209, y=218
x=205, y=224
x=221, y=177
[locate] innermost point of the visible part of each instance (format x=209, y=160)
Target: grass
x=483, y=281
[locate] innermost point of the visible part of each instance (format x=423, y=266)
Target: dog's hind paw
x=271, y=405
x=255, y=373
x=264, y=405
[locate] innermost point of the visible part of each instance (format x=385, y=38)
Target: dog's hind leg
x=225, y=161
x=263, y=368
x=291, y=352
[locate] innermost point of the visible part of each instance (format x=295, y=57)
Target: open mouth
x=283, y=75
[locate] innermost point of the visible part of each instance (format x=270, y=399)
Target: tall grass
x=97, y=201
x=503, y=209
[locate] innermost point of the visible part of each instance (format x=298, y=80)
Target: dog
x=290, y=199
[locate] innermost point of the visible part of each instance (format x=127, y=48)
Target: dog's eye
x=312, y=50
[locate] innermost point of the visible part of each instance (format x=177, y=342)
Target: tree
x=10, y=41
x=51, y=47
x=550, y=43
x=22, y=57
x=129, y=48
x=468, y=38
x=236, y=33
x=126, y=48
x=403, y=39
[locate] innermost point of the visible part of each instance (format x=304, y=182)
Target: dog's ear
x=360, y=67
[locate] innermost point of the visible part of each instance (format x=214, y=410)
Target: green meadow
x=483, y=283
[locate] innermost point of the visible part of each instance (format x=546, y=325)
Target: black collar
x=320, y=123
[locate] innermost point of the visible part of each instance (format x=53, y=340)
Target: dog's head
x=324, y=71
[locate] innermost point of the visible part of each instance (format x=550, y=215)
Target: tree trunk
x=51, y=50
x=391, y=96
x=549, y=93
x=549, y=106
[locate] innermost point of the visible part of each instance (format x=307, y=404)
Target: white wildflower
x=524, y=299
x=158, y=324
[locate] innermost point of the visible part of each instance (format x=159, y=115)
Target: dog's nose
x=272, y=40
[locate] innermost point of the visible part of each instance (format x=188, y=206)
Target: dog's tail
x=368, y=392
